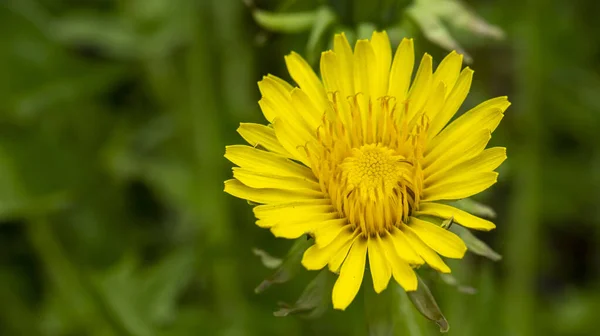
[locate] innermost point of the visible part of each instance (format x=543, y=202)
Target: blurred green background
x=114, y=115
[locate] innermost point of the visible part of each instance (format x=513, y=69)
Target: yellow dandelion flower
x=362, y=158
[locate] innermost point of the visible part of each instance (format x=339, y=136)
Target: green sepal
x=474, y=244
x=425, y=303
x=314, y=300
x=447, y=223
x=474, y=208
x=288, y=267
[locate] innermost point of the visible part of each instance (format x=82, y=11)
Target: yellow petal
x=263, y=136
x=268, y=109
x=330, y=71
x=306, y=78
x=448, y=70
x=461, y=217
x=470, y=146
x=291, y=106
x=343, y=51
x=383, y=53
x=292, y=140
x=351, y=275
x=486, y=115
x=333, y=78
x=283, y=84
x=381, y=271
x=256, y=179
x=429, y=255
x=282, y=221
x=269, y=215
x=402, y=272
x=261, y=161
x=300, y=210
x=455, y=99
x=338, y=258
x=292, y=231
x=293, y=228
x=305, y=108
x=366, y=77
x=434, y=104
x=275, y=99
x=266, y=196
x=439, y=239
x=316, y=258
x=401, y=71
x=420, y=90
x=486, y=161
x=400, y=243
x=327, y=231
x=460, y=187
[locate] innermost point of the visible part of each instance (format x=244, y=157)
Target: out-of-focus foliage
x=114, y=115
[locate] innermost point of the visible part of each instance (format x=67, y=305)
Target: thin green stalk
x=70, y=284
x=208, y=76
x=523, y=230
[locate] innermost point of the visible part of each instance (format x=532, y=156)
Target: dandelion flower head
x=364, y=159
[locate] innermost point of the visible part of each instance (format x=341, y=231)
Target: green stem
x=522, y=232
x=215, y=87
x=69, y=283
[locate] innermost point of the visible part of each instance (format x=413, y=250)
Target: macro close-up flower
x=367, y=160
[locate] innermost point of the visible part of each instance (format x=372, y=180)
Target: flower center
x=374, y=188
x=374, y=171
x=368, y=160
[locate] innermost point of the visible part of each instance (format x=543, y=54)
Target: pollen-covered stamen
x=370, y=166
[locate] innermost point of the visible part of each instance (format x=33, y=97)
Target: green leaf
x=434, y=17
x=452, y=281
x=268, y=260
x=139, y=301
x=22, y=191
x=13, y=198
x=285, y=22
x=459, y=16
x=118, y=291
x=474, y=244
x=475, y=208
x=325, y=17
x=116, y=37
x=314, y=300
x=161, y=285
x=425, y=303
x=289, y=267
x=434, y=29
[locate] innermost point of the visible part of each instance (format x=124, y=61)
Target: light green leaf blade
x=289, y=267
x=285, y=22
x=474, y=244
x=425, y=303
x=314, y=300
